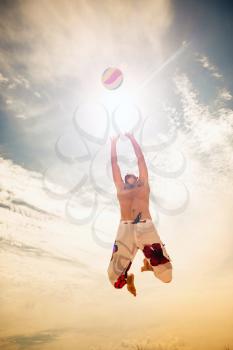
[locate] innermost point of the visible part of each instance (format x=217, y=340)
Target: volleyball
x=112, y=78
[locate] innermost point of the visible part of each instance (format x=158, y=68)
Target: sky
x=58, y=207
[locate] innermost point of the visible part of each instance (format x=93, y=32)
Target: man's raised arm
x=115, y=167
x=143, y=172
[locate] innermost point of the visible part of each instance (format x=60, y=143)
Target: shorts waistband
x=132, y=221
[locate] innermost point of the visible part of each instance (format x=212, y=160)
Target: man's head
x=130, y=180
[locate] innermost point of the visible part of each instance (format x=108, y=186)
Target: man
x=136, y=229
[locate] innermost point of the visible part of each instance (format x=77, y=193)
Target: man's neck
x=128, y=186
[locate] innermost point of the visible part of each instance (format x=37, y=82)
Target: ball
x=112, y=78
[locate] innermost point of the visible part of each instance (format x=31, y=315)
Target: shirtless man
x=136, y=229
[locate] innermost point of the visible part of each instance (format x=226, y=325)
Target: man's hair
x=130, y=175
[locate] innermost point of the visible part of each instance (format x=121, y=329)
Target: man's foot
x=130, y=284
x=147, y=266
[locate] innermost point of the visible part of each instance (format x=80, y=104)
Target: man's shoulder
x=143, y=182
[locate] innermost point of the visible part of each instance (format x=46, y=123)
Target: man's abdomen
x=130, y=210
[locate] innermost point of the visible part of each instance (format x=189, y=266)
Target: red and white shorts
x=129, y=238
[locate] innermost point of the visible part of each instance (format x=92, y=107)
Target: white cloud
x=208, y=130
x=69, y=44
x=16, y=179
x=9, y=101
x=67, y=39
x=38, y=190
x=37, y=94
x=215, y=74
x=3, y=79
x=205, y=62
x=21, y=116
x=225, y=94
x=12, y=86
x=20, y=80
x=21, y=100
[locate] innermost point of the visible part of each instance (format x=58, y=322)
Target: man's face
x=131, y=180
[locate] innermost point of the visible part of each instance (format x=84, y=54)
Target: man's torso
x=135, y=200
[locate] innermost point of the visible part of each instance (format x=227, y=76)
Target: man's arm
x=143, y=172
x=115, y=167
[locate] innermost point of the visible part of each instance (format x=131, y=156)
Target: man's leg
x=124, y=250
x=124, y=278
x=156, y=257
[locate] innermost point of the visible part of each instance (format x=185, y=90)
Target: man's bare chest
x=139, y=192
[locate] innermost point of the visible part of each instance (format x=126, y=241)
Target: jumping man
x=136, y=229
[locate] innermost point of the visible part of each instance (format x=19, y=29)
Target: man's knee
x=167, y=279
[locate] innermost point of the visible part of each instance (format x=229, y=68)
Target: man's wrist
x=132, y=139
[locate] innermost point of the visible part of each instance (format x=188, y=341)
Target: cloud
x=24, y=341
x=206, y=64
x=225, y=94
x=29, y=213
x=14, y=180
x=20, y=98
x=20, y=248
x=65, y=36
x=37, y=94
x=50, y=50
x=3, y=79
x=208, y=129
x=26, y=206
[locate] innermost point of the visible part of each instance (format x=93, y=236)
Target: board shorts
x=130, y=237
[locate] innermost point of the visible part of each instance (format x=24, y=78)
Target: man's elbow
x=113, y=160
x=140, y=158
